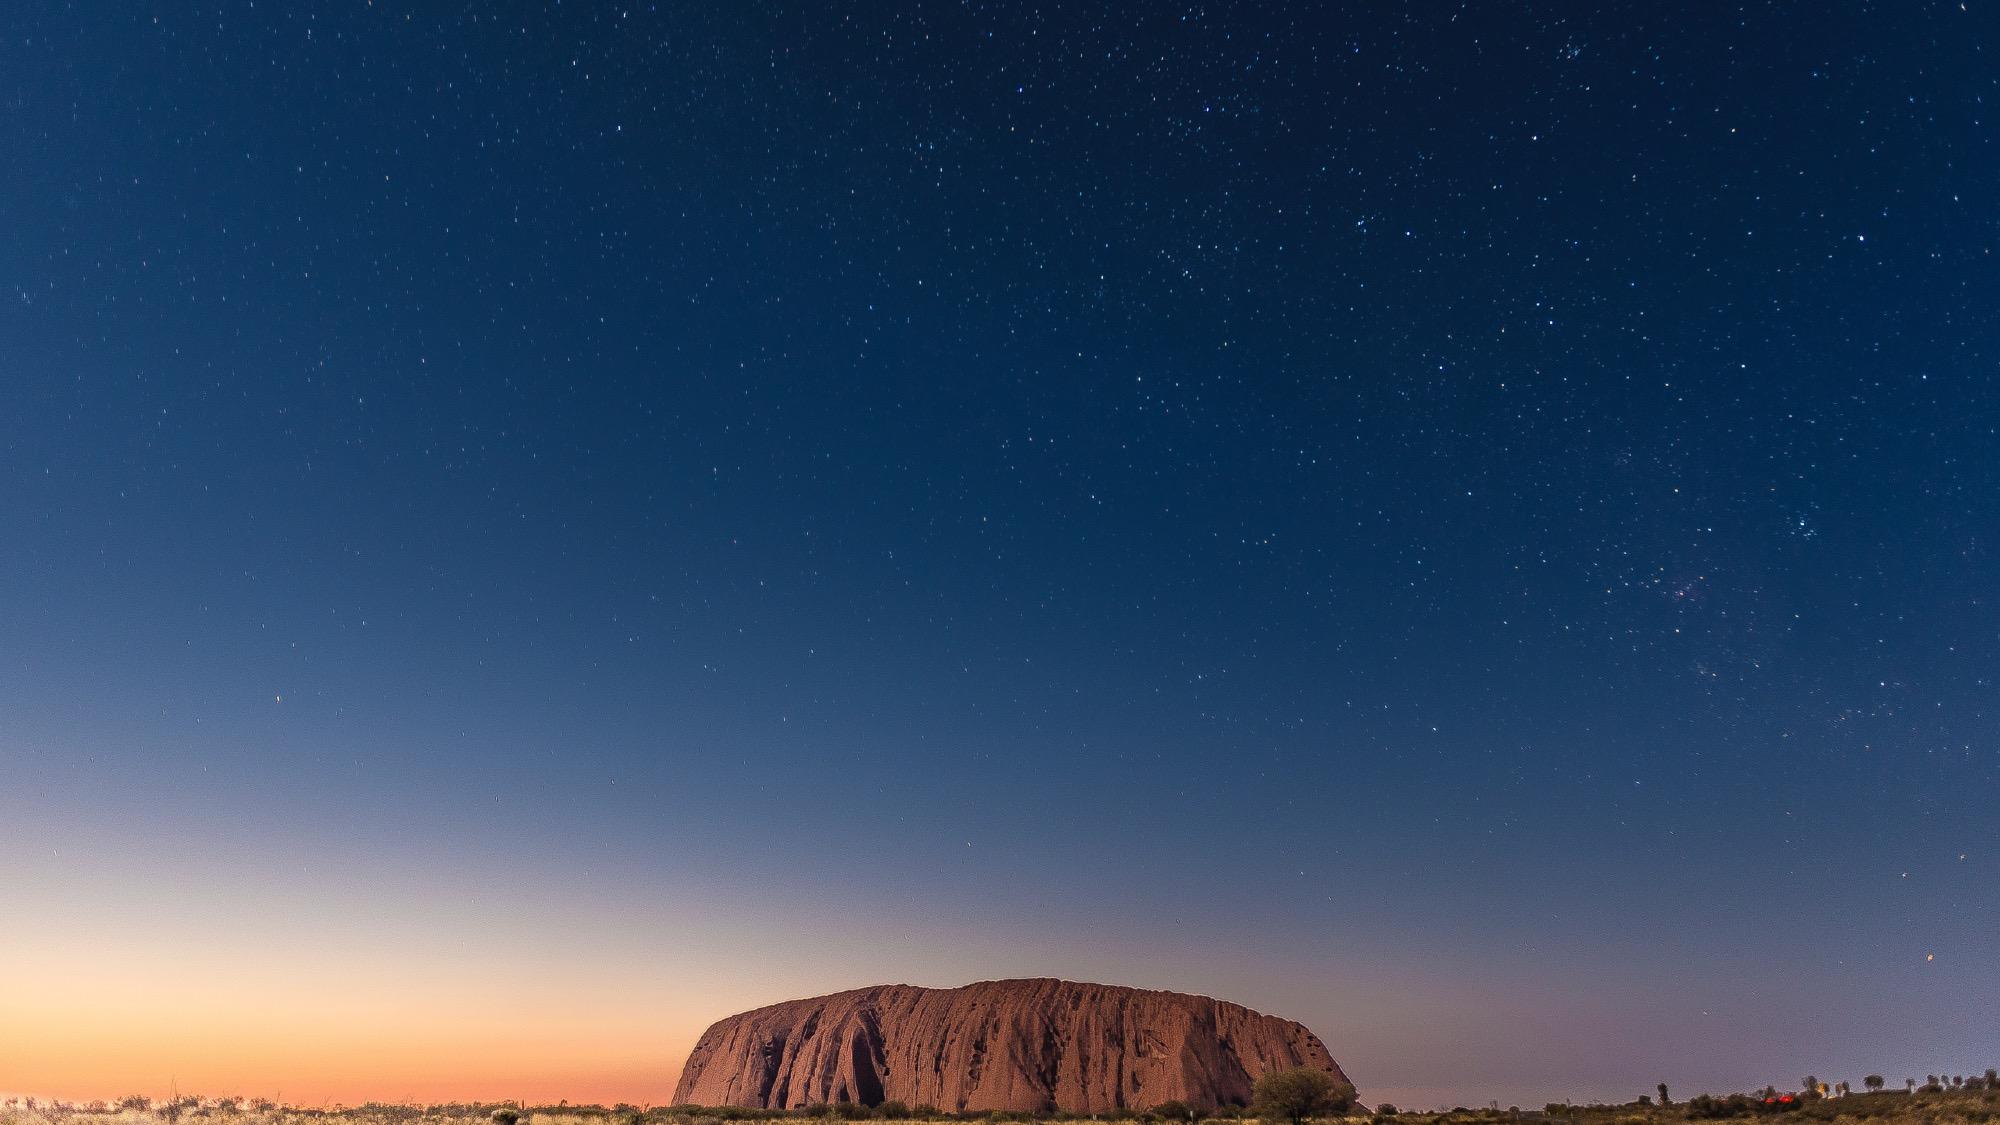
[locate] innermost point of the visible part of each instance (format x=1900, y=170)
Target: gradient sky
x=528, y=531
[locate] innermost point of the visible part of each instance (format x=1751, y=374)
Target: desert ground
x=1974, y=1101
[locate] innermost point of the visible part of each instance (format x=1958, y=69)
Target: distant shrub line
x=1935, y=1100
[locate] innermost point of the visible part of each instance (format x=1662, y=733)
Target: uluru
x=1016, y=1045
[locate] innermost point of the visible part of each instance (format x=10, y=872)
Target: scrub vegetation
x=1934, y=1100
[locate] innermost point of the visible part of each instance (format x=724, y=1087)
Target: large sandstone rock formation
x=1004, y=1044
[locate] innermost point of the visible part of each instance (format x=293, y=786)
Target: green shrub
x=1299, y=1094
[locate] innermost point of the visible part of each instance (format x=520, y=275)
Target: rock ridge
x=1027, y=1045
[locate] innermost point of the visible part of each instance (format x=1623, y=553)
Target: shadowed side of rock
x=1017, y=1045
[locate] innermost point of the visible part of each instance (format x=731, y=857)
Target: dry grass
x=1950, y=1107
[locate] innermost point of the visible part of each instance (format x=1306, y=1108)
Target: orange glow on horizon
x=162, y=963
x=132, y=1008
x=295, y=1055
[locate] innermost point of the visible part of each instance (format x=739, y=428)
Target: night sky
x=527, y=529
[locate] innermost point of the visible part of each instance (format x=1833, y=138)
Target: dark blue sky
x=1429, y=520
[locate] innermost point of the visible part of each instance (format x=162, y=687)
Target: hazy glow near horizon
x=331, y=982
x=260, y=984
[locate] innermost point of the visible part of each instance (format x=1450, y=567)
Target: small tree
x=1299, y=1094
x=1662, y=1088
x=1386, y=1109
x=1873, y=1082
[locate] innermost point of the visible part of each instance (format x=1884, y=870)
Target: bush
x=1299, y=1094
x=1386, y=1109
x=506, y=1115
x=1709, y=1107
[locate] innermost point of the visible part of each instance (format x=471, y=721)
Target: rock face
x=1006, y=1044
